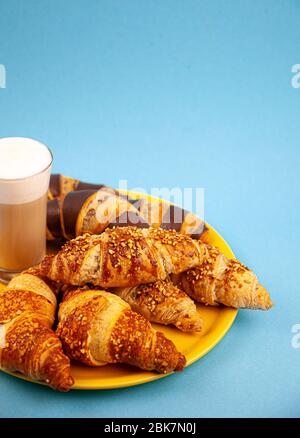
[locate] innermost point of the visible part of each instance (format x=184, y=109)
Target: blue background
x=174, y=93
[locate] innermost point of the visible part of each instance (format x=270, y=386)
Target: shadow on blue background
x=174, y=93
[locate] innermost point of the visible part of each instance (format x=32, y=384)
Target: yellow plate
x=217, y=321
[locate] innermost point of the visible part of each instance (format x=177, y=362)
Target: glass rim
x=23, y=178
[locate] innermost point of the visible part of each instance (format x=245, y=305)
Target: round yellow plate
x=217, y=321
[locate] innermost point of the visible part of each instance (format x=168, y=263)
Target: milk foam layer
x=24, y=170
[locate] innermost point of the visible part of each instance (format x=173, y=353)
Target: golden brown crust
x=123, y=257
x=219, y=280
x=36, y=272
x=179, y=252
x=15, y=302
x=133, y=342
x=128, y=257
x=29, y=346
x=33, y=349
x=74, y=331
x=164, y=303
x=97, y=327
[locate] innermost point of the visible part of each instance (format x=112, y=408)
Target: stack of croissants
x=123, y=264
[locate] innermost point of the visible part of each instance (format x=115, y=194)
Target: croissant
x=164, y=303
x=27, y=343
x=60, y=185
x=89, y=211
x=171, y=217
x=76, y=207
x=123, y=257
x=219, y=280
x=97, y=328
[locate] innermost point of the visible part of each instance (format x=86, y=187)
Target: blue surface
x=175, y=93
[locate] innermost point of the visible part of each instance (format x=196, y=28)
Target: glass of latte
x=25, y=167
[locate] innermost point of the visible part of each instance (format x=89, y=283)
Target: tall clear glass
x=25, y=167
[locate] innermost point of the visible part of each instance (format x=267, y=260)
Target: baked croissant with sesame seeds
x=27, y=343
x=123, y=257
x=164, y=303
x=97, y=328
x=219, y=280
